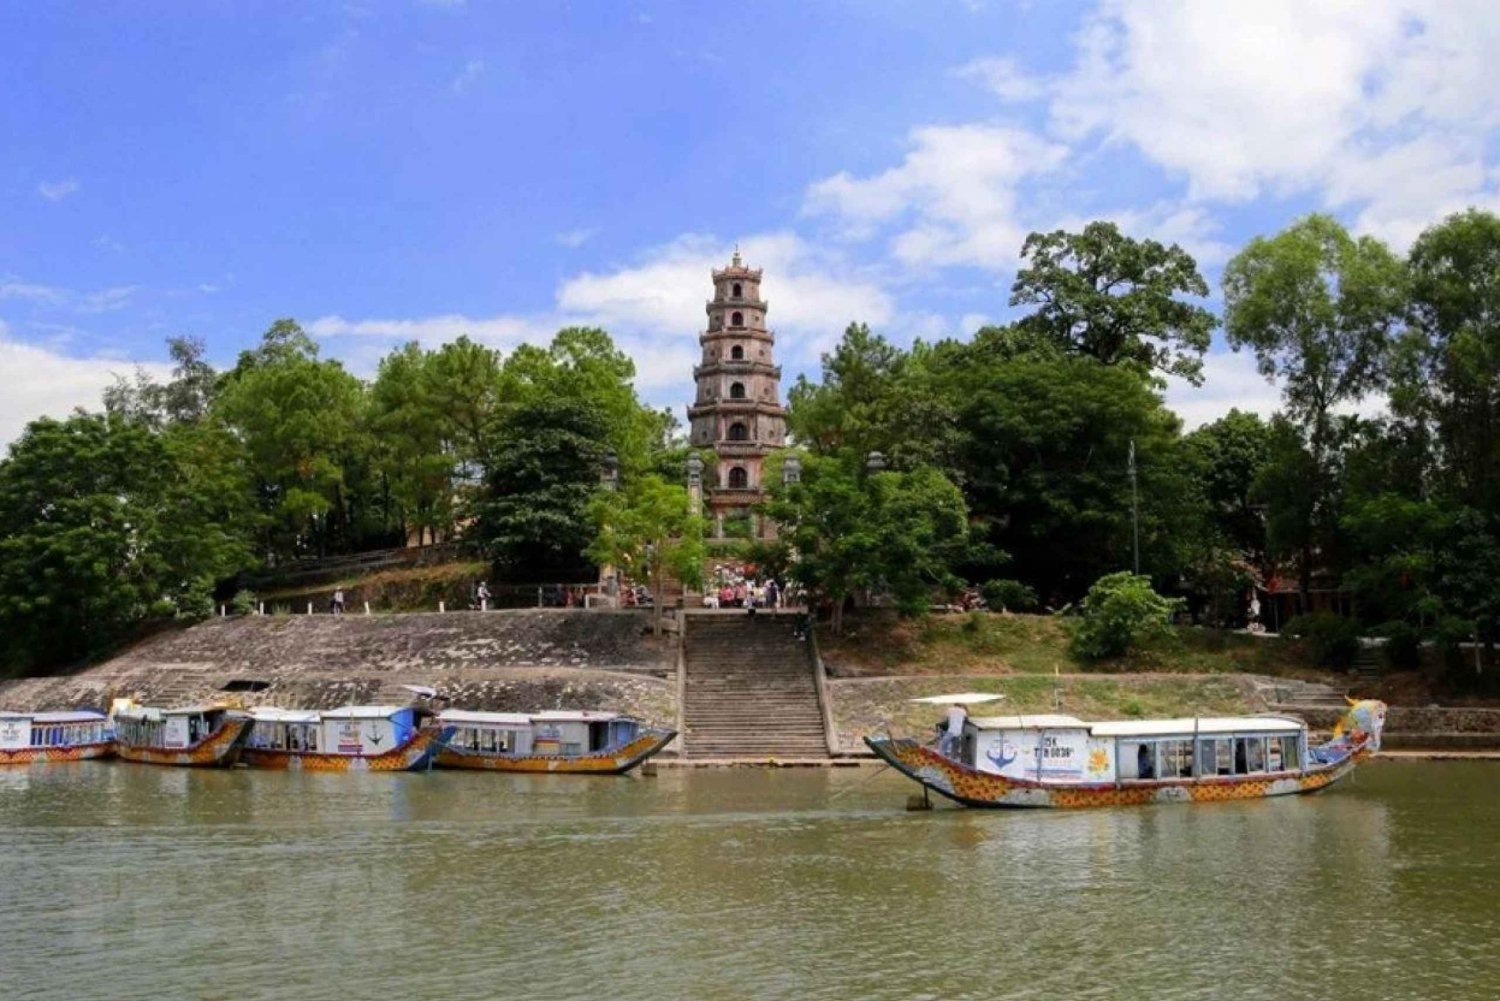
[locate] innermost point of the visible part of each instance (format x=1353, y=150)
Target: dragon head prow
x=1363, y=722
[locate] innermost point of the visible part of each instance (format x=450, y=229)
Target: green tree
x=533, y=515
x=1319, y=309
x=1228, y=456
x=1120, y=613
x=1044, y=463
x=648, y=530
x=1452, y=381
x=1102, y=294
x=300, y=420
x=890, y=533
x=874, y=397
x=412, y=440
x=109, y=521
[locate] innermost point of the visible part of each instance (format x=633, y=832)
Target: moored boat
x=352, y=738
x=1060, y=761
x=196, y=736
x=27, y=738
x=560, y=741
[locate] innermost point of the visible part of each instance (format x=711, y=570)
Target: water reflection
x=733, y=884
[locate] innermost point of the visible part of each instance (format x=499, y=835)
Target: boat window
x=1291, y=758
x=1174, y=759
x=571, y=747
x=1273, y=754
x=1137, y=759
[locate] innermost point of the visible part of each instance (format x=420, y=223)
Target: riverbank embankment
x=591, y=659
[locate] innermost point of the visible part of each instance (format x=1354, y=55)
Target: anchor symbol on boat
x=375, y=739
x=1002, y=754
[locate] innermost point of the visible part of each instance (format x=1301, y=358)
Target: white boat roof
x=275, y=714
x=499, y=719
x=1205, y=724
x=74, y=716
x=157, y=712
x=960, y=699
x=1145, y=727
x=574, y=716
x=362, y=712
x=1039, y=722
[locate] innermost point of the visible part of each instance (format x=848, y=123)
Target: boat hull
x=616, y=761
x=53, y=755
x=418, y=753
x=219, y=749
x=971, y=787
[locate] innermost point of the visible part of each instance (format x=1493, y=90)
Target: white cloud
x=12, y=287
x=956, y=190
x=504, y=332
x=654, y=308
x=575, y=238
x=40, y=382
x=1230, y=381
x=56, y=191
x=468, y=76
x=106, y=300
x=1383, y=106
x=1007, y=80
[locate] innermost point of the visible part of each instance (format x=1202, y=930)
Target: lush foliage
x=1121, y=612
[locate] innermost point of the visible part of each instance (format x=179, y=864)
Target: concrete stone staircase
x=750, y=689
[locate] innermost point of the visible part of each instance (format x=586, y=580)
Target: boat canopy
x=1041, y=722
x=362, y=712
x=1203, y=725
x=574, y=716
x=155, y=714
x=462, y=717
x=79, y=716
x=76, y=716
x=274, y=714
x=960, y=699
x=1207, y=725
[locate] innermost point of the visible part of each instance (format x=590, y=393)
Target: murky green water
x=121, y=881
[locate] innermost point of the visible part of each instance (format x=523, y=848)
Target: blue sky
x=388, y=171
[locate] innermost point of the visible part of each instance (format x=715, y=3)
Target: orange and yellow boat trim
x=52, y=755
x=614, y=761
x=971, y=787
x=420, y=751
x=220, y=748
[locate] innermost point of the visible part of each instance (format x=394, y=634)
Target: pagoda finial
x=736, y=261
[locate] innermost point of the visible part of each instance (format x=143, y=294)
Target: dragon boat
x=27, y=738
x=349, y=739
x=1060, y=761
x=569, y=742
x=193, y=736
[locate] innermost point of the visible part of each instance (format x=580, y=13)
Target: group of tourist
x=734, y=587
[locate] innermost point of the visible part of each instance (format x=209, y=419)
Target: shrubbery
x=1331, y=640
x=1008, y=596
x=1403, y=644
x=1121, y=612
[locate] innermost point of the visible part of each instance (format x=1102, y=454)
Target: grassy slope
x=879, y=705
x=403, y=589
x=882, y=645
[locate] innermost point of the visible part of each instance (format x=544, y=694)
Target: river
x=125, y=881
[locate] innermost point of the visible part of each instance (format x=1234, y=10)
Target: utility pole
x=1135, y=510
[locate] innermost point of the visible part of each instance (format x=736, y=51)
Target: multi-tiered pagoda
x=738, y=411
